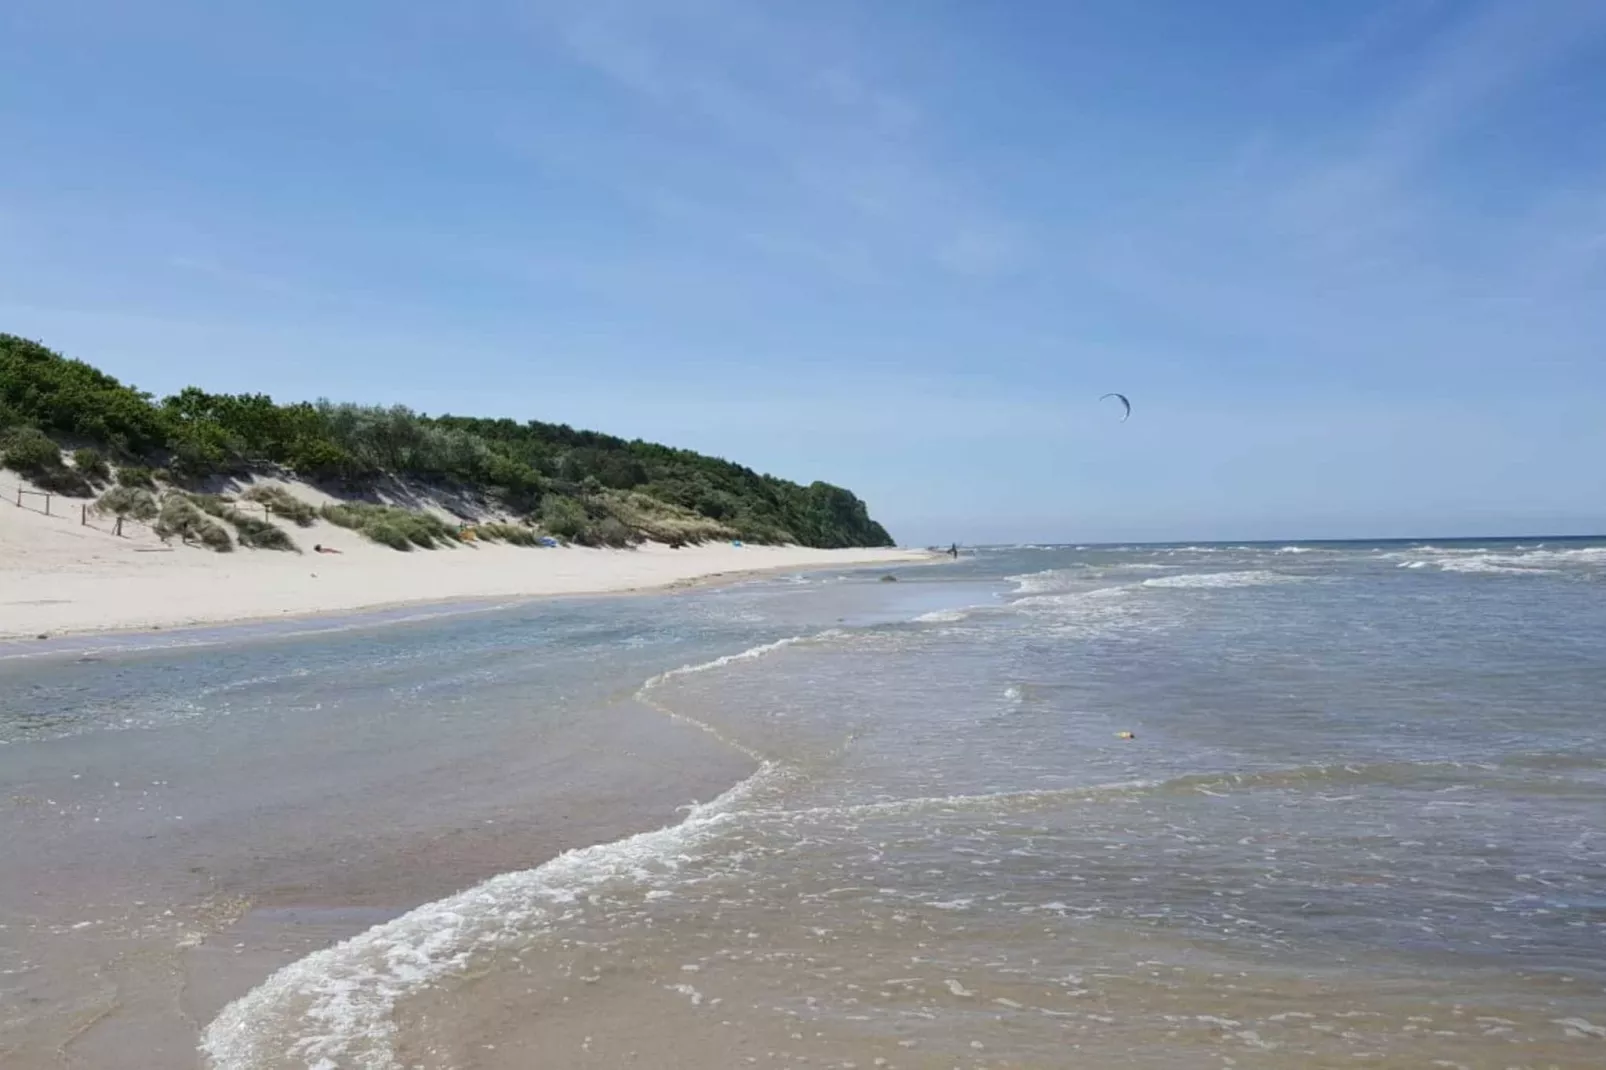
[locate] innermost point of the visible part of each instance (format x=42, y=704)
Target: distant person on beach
x=319, y=548
x=953, y=551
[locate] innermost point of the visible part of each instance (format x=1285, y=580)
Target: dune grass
x=662, y=522
x=281, y=502
x=513, y=534
x=388, y=525
x=180, y=515
x=252, y=531
x=134, y=502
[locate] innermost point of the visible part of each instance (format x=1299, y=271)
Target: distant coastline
x=72, y=430
x=1388, y=540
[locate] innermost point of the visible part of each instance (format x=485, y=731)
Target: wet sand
x=162, y=885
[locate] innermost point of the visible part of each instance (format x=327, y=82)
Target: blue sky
x=1348, y=260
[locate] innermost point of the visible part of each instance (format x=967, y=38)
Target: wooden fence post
x=83, y=516
x=47, y=505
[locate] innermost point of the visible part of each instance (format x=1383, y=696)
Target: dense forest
x=558, y=478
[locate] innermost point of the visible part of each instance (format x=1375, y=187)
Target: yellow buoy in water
x=1125, y=735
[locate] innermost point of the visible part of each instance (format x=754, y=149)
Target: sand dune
x=58, y=576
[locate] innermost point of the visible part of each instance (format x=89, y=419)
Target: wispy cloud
x=1377, y=242
x=825, y=164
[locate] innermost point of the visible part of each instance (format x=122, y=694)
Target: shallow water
x=1360, y=820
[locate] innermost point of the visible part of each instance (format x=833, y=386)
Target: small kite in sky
x=1127, y=405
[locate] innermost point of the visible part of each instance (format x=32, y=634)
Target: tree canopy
x=530, y=466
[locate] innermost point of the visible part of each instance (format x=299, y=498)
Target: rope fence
x=59, y=506
x=35, y=501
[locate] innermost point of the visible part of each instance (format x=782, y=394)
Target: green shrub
x=564, y=518
x=319, y=459
x=388, y=533
x=133, y=475
x=196, y=459
x=181, y=516
x=31, y=453
x=523, y=463
x=65, y=481
x=72, y=399
x=281, y=502
x=28, y=451
x=610, y=531
x=162, y=475
x=92, y=465
x=135, y=502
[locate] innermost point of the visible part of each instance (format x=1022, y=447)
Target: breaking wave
x=335, y=1007
x=1251, y=578
x=1584, y=560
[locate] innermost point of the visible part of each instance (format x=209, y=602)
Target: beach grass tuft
x=180, y=515
x=513, y=534
x=136, y=503
x=388, y=525
x=253, y=531
x=280, y=502
x=662, y=522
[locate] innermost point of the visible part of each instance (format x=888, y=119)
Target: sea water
x=1315, y=805
x=1256, y=806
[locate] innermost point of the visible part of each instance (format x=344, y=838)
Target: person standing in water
x=953, y=551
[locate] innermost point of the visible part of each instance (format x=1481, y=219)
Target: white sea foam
x=942, y=616
x=1534, y=560
x=644, y=693
x=1516, y=561
x=1491, y=564
x=1072, y=599
x=1047, y=581
x=1251, y=578
x=334, y=1008
x=337, y=1004
x=745, y=655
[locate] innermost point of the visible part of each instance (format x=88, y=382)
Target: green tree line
x=531, y=466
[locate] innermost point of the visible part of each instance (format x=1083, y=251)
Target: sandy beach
x=168, y=871
x=59, y=576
